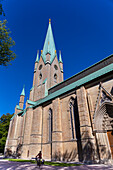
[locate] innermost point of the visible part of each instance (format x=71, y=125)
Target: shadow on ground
x=28, y=166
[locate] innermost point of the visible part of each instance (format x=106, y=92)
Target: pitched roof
x=18, y=107
x=89, y=70
x=76, y=84
x=49, y=45
x=72, y=86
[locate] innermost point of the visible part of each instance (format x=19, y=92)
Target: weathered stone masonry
x=69, y=120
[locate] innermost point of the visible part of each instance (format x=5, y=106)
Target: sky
x=82, y=29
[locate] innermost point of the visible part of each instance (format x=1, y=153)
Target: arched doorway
x=103, y=127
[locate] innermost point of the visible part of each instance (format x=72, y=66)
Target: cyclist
x=38, y=158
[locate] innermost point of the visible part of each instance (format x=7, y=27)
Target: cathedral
x=68, y=120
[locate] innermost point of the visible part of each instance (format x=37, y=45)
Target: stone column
x=57, y=131
x=36, y=132
x=19, y=129
x=27, y=132
x=14, y=132
x=87, y=139
x=8, y=137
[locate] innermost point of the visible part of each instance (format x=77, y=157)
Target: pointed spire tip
x=60, y=57
x=23, y=91
x=37, y=57
x=49, y=20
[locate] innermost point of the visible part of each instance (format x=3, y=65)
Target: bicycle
x=40, y=162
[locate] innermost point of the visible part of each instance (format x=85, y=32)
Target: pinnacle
x=23, y=91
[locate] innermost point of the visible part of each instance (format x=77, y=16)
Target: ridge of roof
x=82, y=71
x=76, y=84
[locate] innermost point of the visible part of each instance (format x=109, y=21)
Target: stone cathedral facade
x=68, y=120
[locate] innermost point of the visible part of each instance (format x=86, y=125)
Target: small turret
x=61, y=64
x=60, y=61
x=22, y=96
x=36, y=61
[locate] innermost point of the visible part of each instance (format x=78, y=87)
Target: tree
x=1, y=8
x=4, y=126
x=6, y=42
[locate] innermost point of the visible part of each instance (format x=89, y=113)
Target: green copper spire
x=49, y=45
x=37, y=57
x=23, y=92
x=60, y=58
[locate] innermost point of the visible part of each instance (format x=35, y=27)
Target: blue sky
x=82, y=29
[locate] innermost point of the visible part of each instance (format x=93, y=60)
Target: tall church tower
x=48, y=71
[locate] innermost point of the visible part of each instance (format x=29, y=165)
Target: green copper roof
x=76, y=84
x=18, y=107
x=37, y=57
x=23, y=92
x=60, y=58
x=30, y=102
x=32, y=88
x=71, y=86
x=49, y=45
x=20, y=113
x=44, y=81
x=13, y=117
x=24, y=111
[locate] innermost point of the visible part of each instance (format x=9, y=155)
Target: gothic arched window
x=72, y=117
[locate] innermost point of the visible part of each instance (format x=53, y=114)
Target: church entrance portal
x=103, y=126
x=110, y=138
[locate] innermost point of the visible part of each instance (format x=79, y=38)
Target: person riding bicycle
x=38, y=158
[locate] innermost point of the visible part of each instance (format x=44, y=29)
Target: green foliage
x=47, y=162
x=4, y=126
x=6, y=42
x=60, y=164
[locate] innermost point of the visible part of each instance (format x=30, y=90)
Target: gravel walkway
x=8, y=165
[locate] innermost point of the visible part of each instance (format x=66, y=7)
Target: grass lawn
x=46, y=162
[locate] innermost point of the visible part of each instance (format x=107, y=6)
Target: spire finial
x=23, y=91
x=49, y=20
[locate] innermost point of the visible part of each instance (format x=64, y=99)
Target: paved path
x=7, y=165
